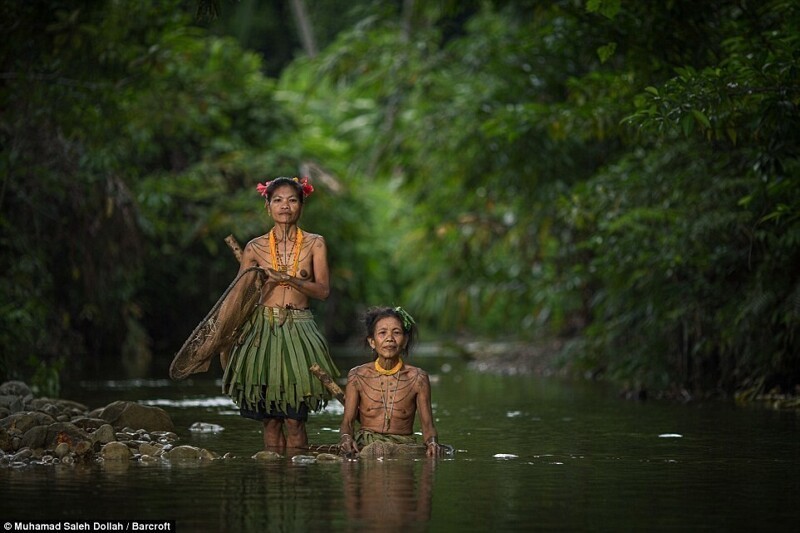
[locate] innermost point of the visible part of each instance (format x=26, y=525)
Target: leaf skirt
x=270, y=361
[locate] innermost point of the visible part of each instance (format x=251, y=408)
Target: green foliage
x=67, y=211
x=746, y=106
x=131, y=149
x=98, y=102
x=608, y=8
x=548, y=189
x=46, y=379
x=622, y=173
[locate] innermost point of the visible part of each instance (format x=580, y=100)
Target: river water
x=533, y=454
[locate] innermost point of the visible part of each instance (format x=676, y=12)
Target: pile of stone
x=51, y=431
x=54, y=431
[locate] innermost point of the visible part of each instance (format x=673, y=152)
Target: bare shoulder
x=356, y=375
x=413, y=370
x=313, y=239
x=415, y=373
x=256, y=242
x=361, y=370
x=254, y=249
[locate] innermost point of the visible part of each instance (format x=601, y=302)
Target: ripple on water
x=205, y=401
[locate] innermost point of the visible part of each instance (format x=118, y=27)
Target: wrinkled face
x=389, y=339
x=284, y=205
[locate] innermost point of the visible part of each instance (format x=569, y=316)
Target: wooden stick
x=231, y=241
x=328, y=382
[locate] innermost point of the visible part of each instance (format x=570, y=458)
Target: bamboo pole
x=231, y=241
x=328, y=382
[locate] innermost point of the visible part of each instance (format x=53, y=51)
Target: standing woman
x=267, y=374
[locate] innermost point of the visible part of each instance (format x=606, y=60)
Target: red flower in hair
x=304, y=185
x=262, y=188
x=307, y=187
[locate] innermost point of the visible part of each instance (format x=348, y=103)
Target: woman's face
x=389, y=339
x=285, y=206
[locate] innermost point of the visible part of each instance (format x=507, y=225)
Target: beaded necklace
x=387, y=409
x=394, y=370
x=277, y=262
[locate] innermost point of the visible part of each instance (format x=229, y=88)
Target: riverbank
x=546, y=358
x=516, y=358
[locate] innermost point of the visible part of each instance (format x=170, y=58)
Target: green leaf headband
x=408, y=320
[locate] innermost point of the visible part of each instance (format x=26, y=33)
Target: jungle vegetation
x=620, y=175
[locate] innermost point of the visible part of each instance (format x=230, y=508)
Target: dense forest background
x=619, y=175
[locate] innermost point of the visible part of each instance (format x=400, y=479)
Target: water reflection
x=278, y=497
x=533, y=454
x=388, y=495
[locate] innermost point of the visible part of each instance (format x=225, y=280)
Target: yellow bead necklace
x=394, y=370
x=277, y=263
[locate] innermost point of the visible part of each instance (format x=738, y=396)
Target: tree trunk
x=304, y=27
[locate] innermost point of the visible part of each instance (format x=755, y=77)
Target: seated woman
x=385, y=395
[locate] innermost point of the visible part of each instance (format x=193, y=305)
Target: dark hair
x=374, y=314
x=280, y=182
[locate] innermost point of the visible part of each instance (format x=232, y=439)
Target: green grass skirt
x=270, y=362
x=365, y=436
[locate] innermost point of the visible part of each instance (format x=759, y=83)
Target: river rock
x=328, y=458
x=61, y=450
x=132, y=414
x=10, y=403
x=83, y=448
x=5, y=440
x=43, y=405
x=15, y=388
x=72, y=406
x=70, y=433
x=87, y=423
x=104, y=434
x=150, y=449
x=26, y=420
x=56, y=406
x=22, y=455
x=59, y=432
x=265, y=455
x=183, y=453
x=116, y=451
x=36, y=437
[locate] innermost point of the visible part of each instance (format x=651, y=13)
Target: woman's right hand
x=347, y=446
